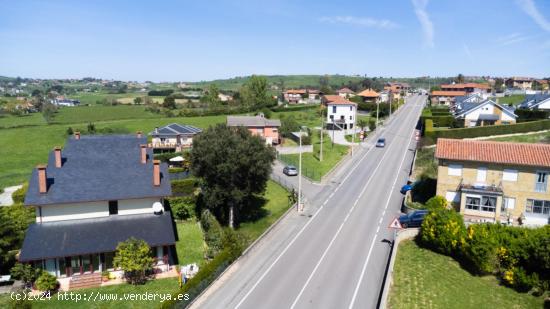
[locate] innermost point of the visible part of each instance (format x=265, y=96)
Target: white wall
x=341, y=110
x=136, y=206
x=545, y=105
x=487, y=109
x=74, y=211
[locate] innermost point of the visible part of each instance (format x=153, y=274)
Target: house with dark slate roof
x=536, y=102
x=173, y=137
x=484, y=113
x=93, y=194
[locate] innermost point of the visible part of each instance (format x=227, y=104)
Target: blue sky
x=202, y=40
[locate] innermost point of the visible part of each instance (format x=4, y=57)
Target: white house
x=95, y=193
x=341, y=113
x=536, y=102
x=173, y=137
x=485, y=113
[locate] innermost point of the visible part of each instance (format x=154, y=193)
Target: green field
x=190, y=246
x=101, y=113
x=513, y=99
x=33, y=119
x=311, y=166
x=530, y=138
x=424, y=279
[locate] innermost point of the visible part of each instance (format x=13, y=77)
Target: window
x=472, y=202
x=351, y=108
x=541, y=181
x=481, y=174
x=455, y=170
x=332, y=117
x=510, y=175
x=538, y=207
x=113, y=207
x=334, y=109
x=350, y=117
x=508, y=203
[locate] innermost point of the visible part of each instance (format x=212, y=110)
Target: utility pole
x=353, y=129
x=377, y=109
x=300, y=175
x=322, y=126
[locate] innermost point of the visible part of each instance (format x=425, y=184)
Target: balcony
x=480, y=188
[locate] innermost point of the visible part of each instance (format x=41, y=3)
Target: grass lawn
x=311, y=166
x=424, y=279
x=289, y=142
x=33, y=119
x=425, y=163
x=308, y=117
x=513, y=99
x=190, y=244
x=276, y=203
x=101, y=113
x=531, y=138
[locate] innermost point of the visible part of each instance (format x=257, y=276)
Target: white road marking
x=354, y=297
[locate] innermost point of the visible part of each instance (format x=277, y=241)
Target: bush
x=213, y=233
x=46, y=282
x=160, y=93
x=25, y=272
x=184, y=186
x=480, y=249
x=524, y=282
x=531, y=115
x=436, y=202
x=183, y=208
x=19, y=195
x=133, y=256
x=443, y=230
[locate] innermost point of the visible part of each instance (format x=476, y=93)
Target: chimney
x=77, y=135
x=42, y=184
x=138, y=133
x=156, y=173
x=57, y=153
x=143, y=153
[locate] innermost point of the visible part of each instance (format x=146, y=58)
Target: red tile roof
x=466, y=85
x=345, y=90
x=448, y=93
x=494, y=152
x=336, y=99
x=368, y=93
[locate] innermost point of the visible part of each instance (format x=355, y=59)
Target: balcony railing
x=480, y=188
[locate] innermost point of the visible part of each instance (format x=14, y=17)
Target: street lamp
x=300, y=173
x=377, y=108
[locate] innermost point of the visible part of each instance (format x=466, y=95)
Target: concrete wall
x=137, y=206
x=521, y=189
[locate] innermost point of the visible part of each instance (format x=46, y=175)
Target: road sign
x=395, y=224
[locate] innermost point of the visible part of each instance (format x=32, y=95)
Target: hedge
x=184, y=186
x=291, y=108
x=19, y=195
x=531, y=115
x=485, y=131
x=440, y=121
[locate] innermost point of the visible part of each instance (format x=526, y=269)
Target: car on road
x=381, y=142
x=413, y=219
x=407, y=187
x=290, y=170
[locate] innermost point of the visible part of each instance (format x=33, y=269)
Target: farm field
x=34, y=119
x=83, y=114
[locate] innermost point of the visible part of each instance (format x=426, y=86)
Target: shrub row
x=440, y=121
x=294, y=108
x=185, y=186
x=519, y=256
x=531, y=115
x=183, y=208
x=19, y=195
x=485, y=131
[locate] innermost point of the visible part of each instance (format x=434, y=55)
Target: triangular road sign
x=395, y=224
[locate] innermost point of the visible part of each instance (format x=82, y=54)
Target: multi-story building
x=173, y=137
x=95, y=193
x=487, y=112
x=296, y=96
x=268, y=129
x=495, y=181
x=341, y=113
x=369, y=95
x=524, y=83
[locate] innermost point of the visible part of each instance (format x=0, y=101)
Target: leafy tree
x=234, y=166
x=289, y=125
x=459, y=79
x=133, y=256
x=169, y=102
x=213, y=233
x=324, y=83
x=46, y=282
x=14, y=220
x=25, y=272
x=436, y=202
x=36, y=93
x=362, y=124
x=254, y=95
x=138, y=100
x=499, y=84
x=212, y=95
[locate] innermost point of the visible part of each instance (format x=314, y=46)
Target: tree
x=14, y=220
x=212, y=95
x=46, y=282
x=324, y=83
x=362, y=124
x=169, y=102
x=459, y=79
x=499, y=84
x=254, y=93
x=138, y=100
x=234, y=166
x=133, y=256
x=25, y=272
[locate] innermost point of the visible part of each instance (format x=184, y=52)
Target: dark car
x=413, y=219
x=290, y=170
x=381, y=142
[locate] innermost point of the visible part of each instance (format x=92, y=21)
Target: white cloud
x=360, y=21
x=528, y=6
x=425, y=22
x=512, y=39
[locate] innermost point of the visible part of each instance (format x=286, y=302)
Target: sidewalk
x=5, y=197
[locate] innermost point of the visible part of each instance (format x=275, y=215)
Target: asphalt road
x=333, y=255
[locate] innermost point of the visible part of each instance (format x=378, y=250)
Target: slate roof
x=252, y=121
x=467, y=107
x=533, y=100
x=493, y=152
x=99, y=168
x=96, y=235
x=174, y=129
x=469, y=98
